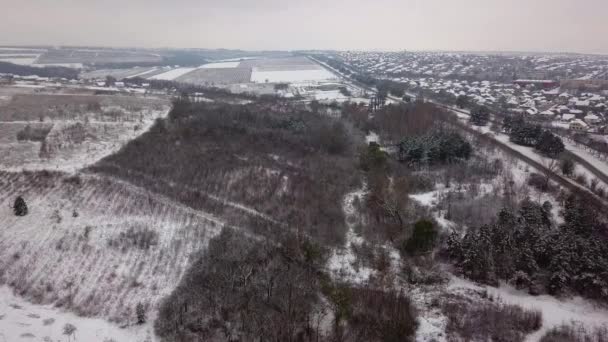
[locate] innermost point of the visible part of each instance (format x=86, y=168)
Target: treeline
x=527, y=134
x=51, y=72
x=294, y=166
x=440, y=146
x=524, y=248
x=396, y=121
x=243, y=289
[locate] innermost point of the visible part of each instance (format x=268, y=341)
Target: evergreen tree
x=550, y=145
x=480, y=116
x=462, y=101
x=423, y=239
x=140, y=311
x=20, y=207
x=567, y=166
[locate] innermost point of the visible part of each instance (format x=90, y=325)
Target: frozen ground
x=102, y=139
x=96, y=246
x=20, y=61
x=341, y=262
x=172, y=74
x=289, y=76
x=23, y=321
x=221, y=65
x=555, y=311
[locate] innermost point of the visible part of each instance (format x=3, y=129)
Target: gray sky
x=490, y=25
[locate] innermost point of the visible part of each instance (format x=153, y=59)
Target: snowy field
x=289, y=76
x=23, y=321
x=94, y=245
x=172, y=74
x=102, y=138
x=555, y=311
x=221, y=65
x=20, y=61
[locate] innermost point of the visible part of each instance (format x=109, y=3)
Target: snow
x=110, y=137
x=341, y=262
x=220, y=65
x=65, y=65
x=427, y=199
x=555, y=311
x=291, y=76
x=19, y=319
x=20, y=61
x=172, y=74
x=372, y=137
x=583, y=153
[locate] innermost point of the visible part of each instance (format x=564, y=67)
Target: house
x=576, y=111
x=568, y=117
x=547, y=113
x=578, y=125
x=582, y=104
x=591, y=118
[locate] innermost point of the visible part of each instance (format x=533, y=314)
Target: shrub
x=33, y=134
x=140, y=312
x=576, y=333
x=142, y=238
x=423, y=239
x=20, y=207
x=488, y=321
x=381, y=316
x=567, y=166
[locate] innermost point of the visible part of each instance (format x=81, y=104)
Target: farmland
x=93, y=245
x=81, y=128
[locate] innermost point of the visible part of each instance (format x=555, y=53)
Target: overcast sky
x=488, y=25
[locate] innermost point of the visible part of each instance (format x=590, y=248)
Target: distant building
x=584, y=84
x=545, y=84
x=592, y=119
x=578, y=125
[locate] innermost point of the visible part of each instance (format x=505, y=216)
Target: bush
x=33, y=134
x=381, y=316
x=423, y=238
x=488, y=321
x=539, y=182
x=140, y=312
x=480, y=116
x=576, y=333
x=567, y=166
x=373, y=158
x=142, y=238
x=20, y=207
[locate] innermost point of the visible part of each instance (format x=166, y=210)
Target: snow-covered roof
x=578, y=122
x=568, y=117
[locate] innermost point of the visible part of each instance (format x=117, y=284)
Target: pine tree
x=140, y=311
x=480, y=116
x=20, y=207
x=567, y=167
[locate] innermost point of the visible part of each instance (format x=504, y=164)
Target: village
x=564, y=91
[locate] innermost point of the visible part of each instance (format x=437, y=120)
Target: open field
x=172, y=74
x=85, y=56
x=119, y=74
x=206, y=76
x=33, y=107
x=280, y=64
x=93, y=245
x=80, y=128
